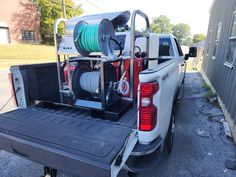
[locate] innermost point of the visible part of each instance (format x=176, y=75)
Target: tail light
x=147, y=110
x=10, y=78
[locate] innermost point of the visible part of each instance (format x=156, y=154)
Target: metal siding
x=222, y=78
x=227, y=20
x=232, y=94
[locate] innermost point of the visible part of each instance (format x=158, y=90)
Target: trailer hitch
x=49, y=172
x=119, y=160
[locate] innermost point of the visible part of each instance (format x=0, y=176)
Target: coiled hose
x=87, y=38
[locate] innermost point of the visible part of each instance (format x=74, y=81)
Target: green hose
x=87, y=38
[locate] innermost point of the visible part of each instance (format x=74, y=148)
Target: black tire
x=169, y=140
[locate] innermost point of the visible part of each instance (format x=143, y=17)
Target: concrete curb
x=228, y=118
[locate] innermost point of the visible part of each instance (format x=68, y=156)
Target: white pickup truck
x=70, y=139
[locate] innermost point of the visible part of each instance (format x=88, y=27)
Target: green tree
x=181, y=31
x=187, y=41
x=198, y=37
x=161, y=25
x=52, y=10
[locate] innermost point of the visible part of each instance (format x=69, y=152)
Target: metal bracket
x=55, y=31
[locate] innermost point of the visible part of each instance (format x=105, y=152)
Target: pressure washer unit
x=102, y=58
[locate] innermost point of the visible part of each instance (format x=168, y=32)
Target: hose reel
x=90, y=38
x=86, y=82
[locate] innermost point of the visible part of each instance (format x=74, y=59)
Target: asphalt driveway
x=200, y=146
x=194, y=155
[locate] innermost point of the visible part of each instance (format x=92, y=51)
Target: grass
x=209, y=92
x=17, y=54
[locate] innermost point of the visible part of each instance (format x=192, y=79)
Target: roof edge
x=3, y=24
x=212, y=5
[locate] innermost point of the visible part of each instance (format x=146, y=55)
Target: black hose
x=138, y=48
x=118, y=43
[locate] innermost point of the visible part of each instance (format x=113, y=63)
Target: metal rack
x=132, y=45
x=103, y=59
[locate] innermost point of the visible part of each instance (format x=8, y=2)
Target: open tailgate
x=70, y=141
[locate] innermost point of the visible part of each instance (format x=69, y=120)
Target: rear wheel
x=169, y=140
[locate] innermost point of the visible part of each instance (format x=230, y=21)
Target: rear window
x=165, y=47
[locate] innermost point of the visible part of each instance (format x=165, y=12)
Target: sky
x=193, y=12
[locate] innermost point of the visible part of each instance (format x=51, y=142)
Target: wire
x=9, y=99
x=94, y=5
x=121, y=86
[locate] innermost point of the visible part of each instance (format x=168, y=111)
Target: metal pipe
x=67, y=59
x=55, y=31
x=132, y=44
x=103, y=92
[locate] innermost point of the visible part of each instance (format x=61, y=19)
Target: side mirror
x=192, y=52
x=186, y=56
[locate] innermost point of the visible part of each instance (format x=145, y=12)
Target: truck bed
x=67, y=139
